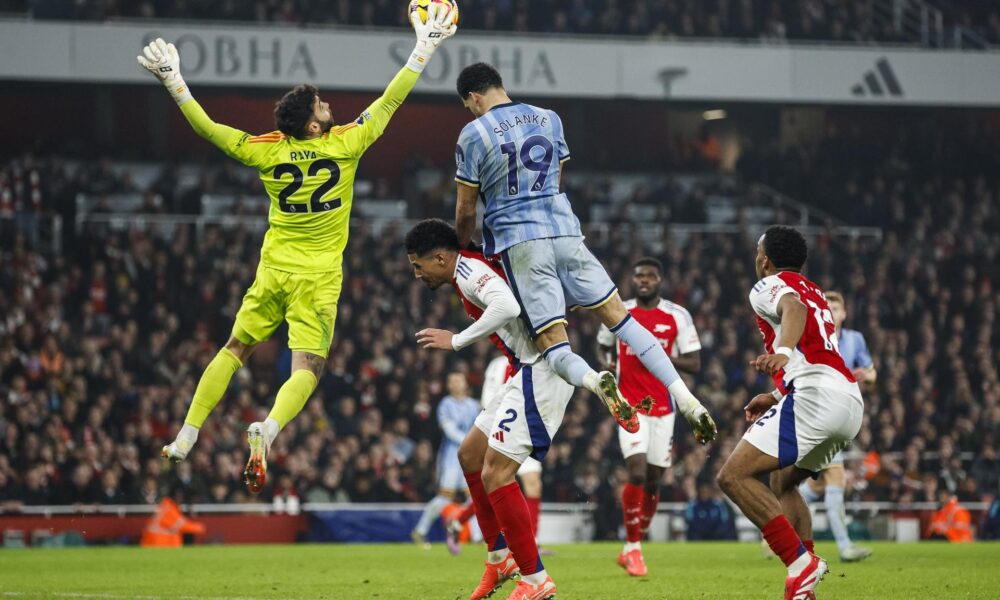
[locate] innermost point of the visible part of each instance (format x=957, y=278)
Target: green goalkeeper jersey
x=310, y=182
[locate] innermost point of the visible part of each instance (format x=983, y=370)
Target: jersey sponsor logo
x=774, y=291
x=661, y=328
x=482, y=281
x=302, y=154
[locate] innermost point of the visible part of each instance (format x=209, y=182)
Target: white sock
x=590, y=380
x=799, y=565
x=536, y=578
x=630, y=546
x=272, y=428
x=682, y=396
x=834, y=502
x=497, y=556
x=188, y=433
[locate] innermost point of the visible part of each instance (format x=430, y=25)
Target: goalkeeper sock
x=293, y=396
x=212, y=386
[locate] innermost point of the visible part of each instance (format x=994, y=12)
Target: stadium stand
x=881, y=21
x=101, y=342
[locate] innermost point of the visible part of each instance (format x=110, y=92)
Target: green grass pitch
x=676, y=571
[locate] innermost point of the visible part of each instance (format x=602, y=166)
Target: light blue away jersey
x=854, y=350
x=456, y=418
x=513, y=154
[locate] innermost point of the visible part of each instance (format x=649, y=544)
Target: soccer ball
x=420, y=7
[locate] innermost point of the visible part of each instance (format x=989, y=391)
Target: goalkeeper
x=307, y=167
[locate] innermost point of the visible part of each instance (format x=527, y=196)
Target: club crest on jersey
x=365, y=116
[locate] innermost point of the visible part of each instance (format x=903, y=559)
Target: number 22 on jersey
x=314, y=178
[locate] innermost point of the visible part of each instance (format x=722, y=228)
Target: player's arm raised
x=162, y=60
x=430, y=35
x=793, y=314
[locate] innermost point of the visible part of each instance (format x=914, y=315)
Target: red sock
x=488, y=522
x=781, y=537
x=809, y=546
x=649, y=504
x=534, y=508
x=632, y=497
x=467, y=513
x=515, y=520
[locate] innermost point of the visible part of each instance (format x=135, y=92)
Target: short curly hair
x=478, y=78
x=786, y=247
x=429, y=235
x=295, y=109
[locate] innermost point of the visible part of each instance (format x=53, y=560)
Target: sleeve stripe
x=467, y=182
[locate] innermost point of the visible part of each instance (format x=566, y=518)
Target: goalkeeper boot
x=495, y=575
x=624, y=414
x=177, y=450
x=803, y=585
x=525, y=591
x=255, y=473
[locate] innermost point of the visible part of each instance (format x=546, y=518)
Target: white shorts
x=809, y=426
x=549, y=274
x=526, y=413
x=654, y=439
x=450, y=476
x=530, y=465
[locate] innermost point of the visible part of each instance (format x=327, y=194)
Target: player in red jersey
x=814, y=413
x=647, y=452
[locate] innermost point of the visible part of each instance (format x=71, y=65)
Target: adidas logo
x=876, y=82
x=498, y=436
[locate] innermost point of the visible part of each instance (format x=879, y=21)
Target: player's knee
x=239, y=349
x=467, y=457
x=726, y=479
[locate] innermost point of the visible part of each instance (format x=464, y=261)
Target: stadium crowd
x=101, y=346
x=812, y=20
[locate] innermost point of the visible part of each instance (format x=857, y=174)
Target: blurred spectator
x=709, y=517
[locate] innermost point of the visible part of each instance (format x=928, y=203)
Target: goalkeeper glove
x=437, y=29
x=161, y=59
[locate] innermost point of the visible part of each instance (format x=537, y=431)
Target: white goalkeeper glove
x=161, y=59
x=438, y=28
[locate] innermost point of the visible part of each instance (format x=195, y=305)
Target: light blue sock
x=431, y=512
x=835, y=513
x=567, y=364
x=647, y=348
x=808, y=494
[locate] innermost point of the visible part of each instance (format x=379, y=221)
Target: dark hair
x=649, y=261
x=295, y=109
x=786, y=247
x=431, y=234
x=478, y=78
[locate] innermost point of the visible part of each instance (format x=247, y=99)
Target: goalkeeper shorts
x=307, y=301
